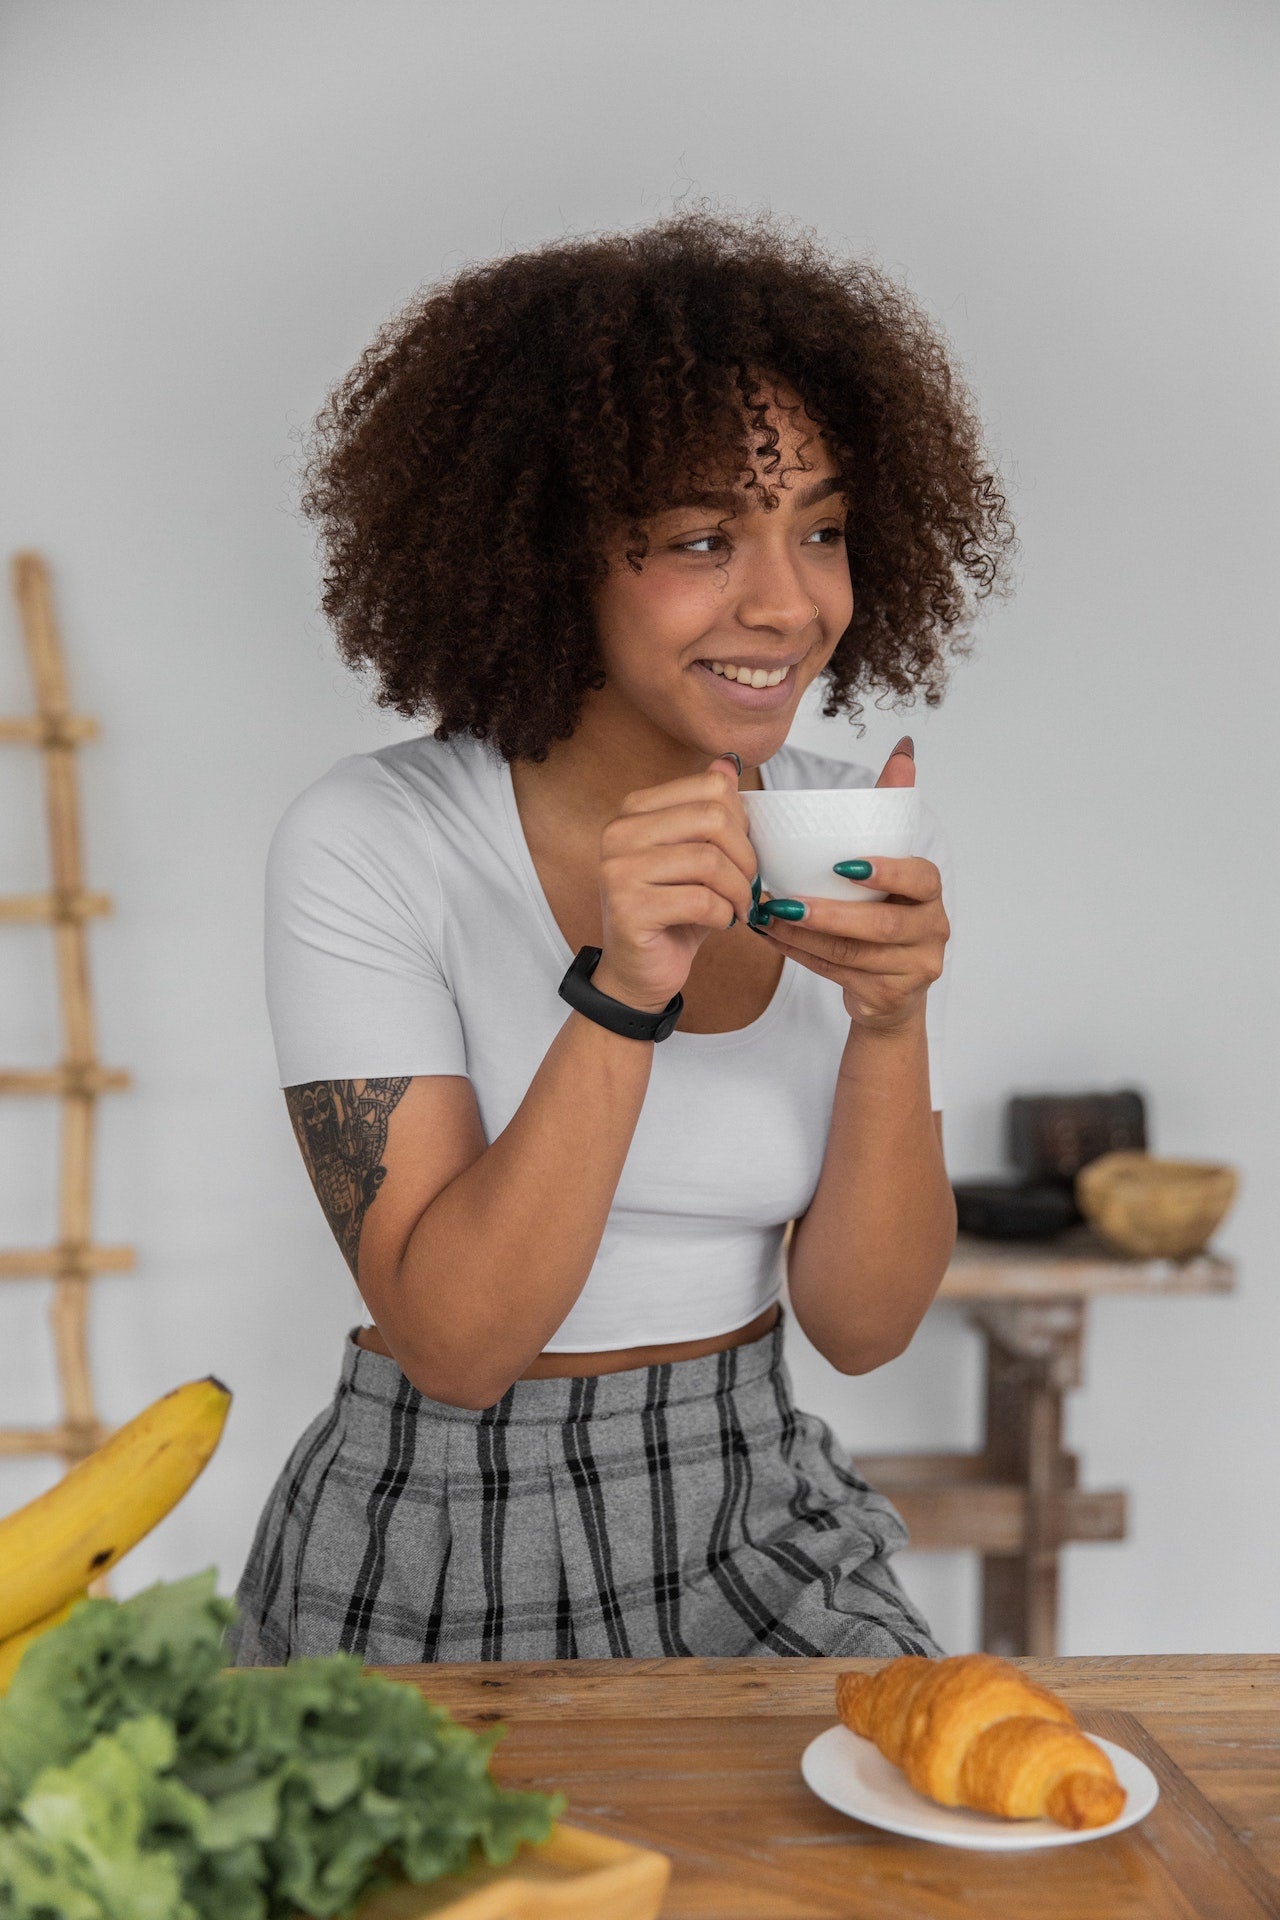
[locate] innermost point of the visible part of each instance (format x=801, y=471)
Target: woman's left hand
x=886, y=954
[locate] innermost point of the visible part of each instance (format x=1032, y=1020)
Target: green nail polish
x=853, y=869
x=758, y=918
x=755, y=889
x=787, y=909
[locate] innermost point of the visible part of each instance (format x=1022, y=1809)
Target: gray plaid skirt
x=679, y=1509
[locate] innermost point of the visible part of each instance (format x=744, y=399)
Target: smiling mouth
x=746, y=676
x=744, y=694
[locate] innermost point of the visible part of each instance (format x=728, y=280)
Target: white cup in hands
x=799, y=834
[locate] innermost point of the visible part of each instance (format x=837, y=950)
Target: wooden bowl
x=1152, y=1208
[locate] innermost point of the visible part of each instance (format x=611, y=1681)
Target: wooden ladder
x=72, y=1261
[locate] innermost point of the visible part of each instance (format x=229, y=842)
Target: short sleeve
x=353, y=914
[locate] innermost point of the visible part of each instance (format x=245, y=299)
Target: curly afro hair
x=470, y=472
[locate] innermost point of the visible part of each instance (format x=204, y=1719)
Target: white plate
x=852, y=1775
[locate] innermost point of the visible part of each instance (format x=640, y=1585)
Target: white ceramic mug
x=799, y=833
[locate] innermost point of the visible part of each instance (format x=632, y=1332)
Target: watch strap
x=636, y=1023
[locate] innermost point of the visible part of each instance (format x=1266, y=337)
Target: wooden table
x=1018, y=1501
x=700, y=1759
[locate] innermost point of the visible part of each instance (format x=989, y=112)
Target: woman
x=559, y=498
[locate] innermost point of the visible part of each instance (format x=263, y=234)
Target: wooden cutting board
x=1184, y=1843
x=571, y=1876
x=724, y=1800
x=700, y=1760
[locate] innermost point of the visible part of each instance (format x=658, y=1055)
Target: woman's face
x=742, y=595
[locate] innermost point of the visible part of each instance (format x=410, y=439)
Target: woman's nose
x=784, y=606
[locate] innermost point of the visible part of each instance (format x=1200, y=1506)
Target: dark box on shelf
x=1050, y=1136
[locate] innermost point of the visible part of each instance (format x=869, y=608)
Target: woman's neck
x=584, y=780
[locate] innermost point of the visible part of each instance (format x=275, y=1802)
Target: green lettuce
x=140, y=1779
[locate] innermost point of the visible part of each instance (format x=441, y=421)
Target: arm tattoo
x=341, y=1127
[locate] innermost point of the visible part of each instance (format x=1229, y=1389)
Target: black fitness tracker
x=634, y=1022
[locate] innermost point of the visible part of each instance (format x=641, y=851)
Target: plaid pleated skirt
x=685, y=1509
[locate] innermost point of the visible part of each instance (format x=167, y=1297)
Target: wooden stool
x=1018, y=1501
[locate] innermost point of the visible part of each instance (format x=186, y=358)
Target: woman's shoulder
x=351, y=806
x=794, y=767
x=389, y=789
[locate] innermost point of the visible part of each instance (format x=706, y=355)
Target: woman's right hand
x=675, y=865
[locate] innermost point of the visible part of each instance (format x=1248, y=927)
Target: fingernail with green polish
x=788, y=909
x=853, y=869
x=758, y=918
x=755, y=889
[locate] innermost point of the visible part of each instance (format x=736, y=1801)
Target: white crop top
x=407, y=933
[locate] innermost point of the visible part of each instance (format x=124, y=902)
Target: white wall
x=207, y=212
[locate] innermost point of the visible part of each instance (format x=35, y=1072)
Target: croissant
x=973, y=1731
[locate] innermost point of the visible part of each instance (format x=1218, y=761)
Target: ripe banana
x=52, y=1548
x=12, y=1649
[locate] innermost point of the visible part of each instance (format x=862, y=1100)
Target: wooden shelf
x=954, y=1500
x=1075, y=1263
x=1017, y=1502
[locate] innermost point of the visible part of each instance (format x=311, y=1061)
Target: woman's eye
x=710, y=539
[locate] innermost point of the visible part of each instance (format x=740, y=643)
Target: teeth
x=749, y=677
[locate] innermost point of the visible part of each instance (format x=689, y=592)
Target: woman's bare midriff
x=559, y=1366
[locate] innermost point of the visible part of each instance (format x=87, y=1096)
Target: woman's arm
x=470, y=1256
x=866, y=1258
x=869, y=1254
